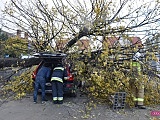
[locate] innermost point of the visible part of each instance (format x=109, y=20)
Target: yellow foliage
x=105, y=78
x=16, y=46
x=20, y=85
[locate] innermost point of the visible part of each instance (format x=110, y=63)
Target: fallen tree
x=17, y=62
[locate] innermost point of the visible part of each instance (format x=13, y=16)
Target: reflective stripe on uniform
x=65, y=78
x=55, y=98
x=57, y=79
x=59, y=68
x=138, y=99
x=60, y=98
x=137, y=64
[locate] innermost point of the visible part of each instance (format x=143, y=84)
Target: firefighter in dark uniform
x=59, y=74
x=137, y=83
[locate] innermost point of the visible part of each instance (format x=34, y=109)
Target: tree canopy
x=57, y=19
x=15, y=47
x=3, y=36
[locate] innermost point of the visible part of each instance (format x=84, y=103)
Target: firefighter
x=137, y=82
x=59, y=74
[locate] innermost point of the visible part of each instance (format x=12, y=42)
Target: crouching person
x=59, y=74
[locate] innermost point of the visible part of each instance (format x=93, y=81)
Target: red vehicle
x=54, y=59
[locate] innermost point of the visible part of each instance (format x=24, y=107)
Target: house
x=21, y=34
x=130, y=41
x=80, y=45
x=83, y=44
x=120, y=48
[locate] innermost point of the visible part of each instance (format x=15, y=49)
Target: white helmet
x=137, y=56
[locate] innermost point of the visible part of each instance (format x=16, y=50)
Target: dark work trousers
x=39, y=81
x=57, y=90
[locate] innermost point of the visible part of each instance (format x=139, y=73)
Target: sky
x=2, y=2
x=2, y=7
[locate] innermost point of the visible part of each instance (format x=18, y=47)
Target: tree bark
x=17, y=62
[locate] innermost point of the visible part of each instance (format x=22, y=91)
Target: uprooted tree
x=109, y=26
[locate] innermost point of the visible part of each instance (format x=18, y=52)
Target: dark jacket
x=59, y=74
x=44, y=72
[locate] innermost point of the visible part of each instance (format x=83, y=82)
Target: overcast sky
x=2, y=7
x=2, y=4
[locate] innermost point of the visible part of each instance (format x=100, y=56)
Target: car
x=54, y=59
x=26, y=56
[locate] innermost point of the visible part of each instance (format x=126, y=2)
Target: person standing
x=58, y=76
x=42, y=76
x=137, y=83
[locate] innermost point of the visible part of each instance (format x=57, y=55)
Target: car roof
x=49, y=55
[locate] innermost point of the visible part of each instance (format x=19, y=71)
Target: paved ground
x=72, y=109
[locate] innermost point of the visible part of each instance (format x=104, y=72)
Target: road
x=72, y=109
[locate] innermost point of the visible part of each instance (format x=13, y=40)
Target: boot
x=55, y=101
x=141, y=107
x=60, y=101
